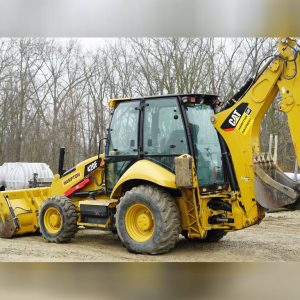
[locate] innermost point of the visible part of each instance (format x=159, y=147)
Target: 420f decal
x=91, y=167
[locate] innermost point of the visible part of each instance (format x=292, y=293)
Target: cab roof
x=112, y=102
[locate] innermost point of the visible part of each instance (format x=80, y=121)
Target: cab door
x=164, y=133
x=122, y=146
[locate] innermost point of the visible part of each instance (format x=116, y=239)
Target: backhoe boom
x=240, y=124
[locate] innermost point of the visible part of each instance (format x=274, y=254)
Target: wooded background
x=54, y=93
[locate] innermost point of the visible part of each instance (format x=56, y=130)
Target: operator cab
x=161, y=128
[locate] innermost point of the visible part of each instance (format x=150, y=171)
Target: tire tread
x=170, y=229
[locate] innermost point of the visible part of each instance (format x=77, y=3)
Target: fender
x=148, y=171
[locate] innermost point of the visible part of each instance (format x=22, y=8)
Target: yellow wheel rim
x=139, y=222
x=52, y=220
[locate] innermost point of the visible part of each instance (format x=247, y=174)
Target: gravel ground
x=277, y=238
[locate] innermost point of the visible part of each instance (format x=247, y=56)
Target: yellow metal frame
x=113, y=102
x=60, y=185
x=148, y=171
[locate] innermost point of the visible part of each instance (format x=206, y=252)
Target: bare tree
x=53, y=94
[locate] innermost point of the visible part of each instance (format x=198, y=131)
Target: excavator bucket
x=19, y=211
x=273, y=188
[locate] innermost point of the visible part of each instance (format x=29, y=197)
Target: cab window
x=123, y=132
x=164, y=132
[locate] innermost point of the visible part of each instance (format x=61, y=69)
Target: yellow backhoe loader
x=175, y=164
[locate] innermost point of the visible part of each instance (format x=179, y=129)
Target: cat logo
x=234, y=119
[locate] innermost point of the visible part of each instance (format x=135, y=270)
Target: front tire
x=148, y=220
x=58, y=219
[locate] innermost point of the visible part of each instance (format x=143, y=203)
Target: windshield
x=206, y=144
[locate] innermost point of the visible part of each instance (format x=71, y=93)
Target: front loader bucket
x=19, y=211
x=273, y=188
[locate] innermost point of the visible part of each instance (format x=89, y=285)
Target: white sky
x=90, y=44
x=87, y=44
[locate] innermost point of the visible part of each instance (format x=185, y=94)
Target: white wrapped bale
x=4, y=170
x=19, y=175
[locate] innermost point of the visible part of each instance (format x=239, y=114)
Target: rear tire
x=212, y=236
x=58, y=219
x=148, y=220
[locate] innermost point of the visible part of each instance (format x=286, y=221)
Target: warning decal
x=245, y=122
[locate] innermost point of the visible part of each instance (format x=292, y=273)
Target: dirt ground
x=277, y=238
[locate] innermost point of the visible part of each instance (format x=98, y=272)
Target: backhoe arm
x=289, y=87
x=239, y=126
